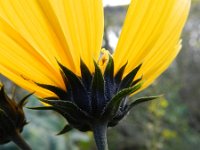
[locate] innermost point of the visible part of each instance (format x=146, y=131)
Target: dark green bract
x=12, y=118
x=93, y=98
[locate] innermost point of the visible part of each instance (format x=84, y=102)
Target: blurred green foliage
x=170, y=123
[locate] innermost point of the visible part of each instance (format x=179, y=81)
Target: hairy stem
x=20, y=142
x=100, y=136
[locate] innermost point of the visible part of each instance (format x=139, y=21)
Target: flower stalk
x=70, y=31
x=100, y=136
x=20, y=142
x=94, y=101
x=12, y=120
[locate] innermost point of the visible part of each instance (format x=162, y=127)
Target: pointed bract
x=52, y=48
x=12, y=118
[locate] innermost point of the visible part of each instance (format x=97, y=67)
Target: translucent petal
x=82, y=25
x=26, y=84
x=20, y=56
x=34, y=34
x=150, y=35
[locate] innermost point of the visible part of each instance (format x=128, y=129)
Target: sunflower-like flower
x=52, y=47
x=12, y=119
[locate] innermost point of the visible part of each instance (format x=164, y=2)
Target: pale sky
x=115, y=2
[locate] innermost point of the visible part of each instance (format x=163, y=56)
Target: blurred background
x=170, y=123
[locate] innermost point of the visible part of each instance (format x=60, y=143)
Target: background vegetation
x=171, y=123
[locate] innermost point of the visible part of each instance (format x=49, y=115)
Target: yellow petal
x=26, y=84
x=28, y=20
x=150, y=35
x=36, y=33
x=82, y=25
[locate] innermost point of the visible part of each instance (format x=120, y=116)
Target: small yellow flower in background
x=168, y=134
x=52, y=48
x=159, y=109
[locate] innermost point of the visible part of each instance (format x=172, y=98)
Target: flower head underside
x=52, y=48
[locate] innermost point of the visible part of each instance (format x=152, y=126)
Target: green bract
x=12, y=118
x=93, y=98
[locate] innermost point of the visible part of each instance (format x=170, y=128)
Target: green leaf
x=66, y=129
x=85, y=74
x=58, y=91
x=142, y=100
x=126, y=82
x=68, y=108
x=78, y=90
x=108, y=77
x=42, y=108
x=23, y=101
x=98, y=97
x=109, y=71
x=114, y=105
x=64, y=78
x=73, y=79
x=136, y=81
x=3, y=97
x=6, y=122
x=119, y=74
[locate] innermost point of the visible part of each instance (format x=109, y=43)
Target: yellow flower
x=169, y=134
x=34, y=34
x=52, y=47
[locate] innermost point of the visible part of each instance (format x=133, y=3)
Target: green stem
x=100, y=136
x=20, y=142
